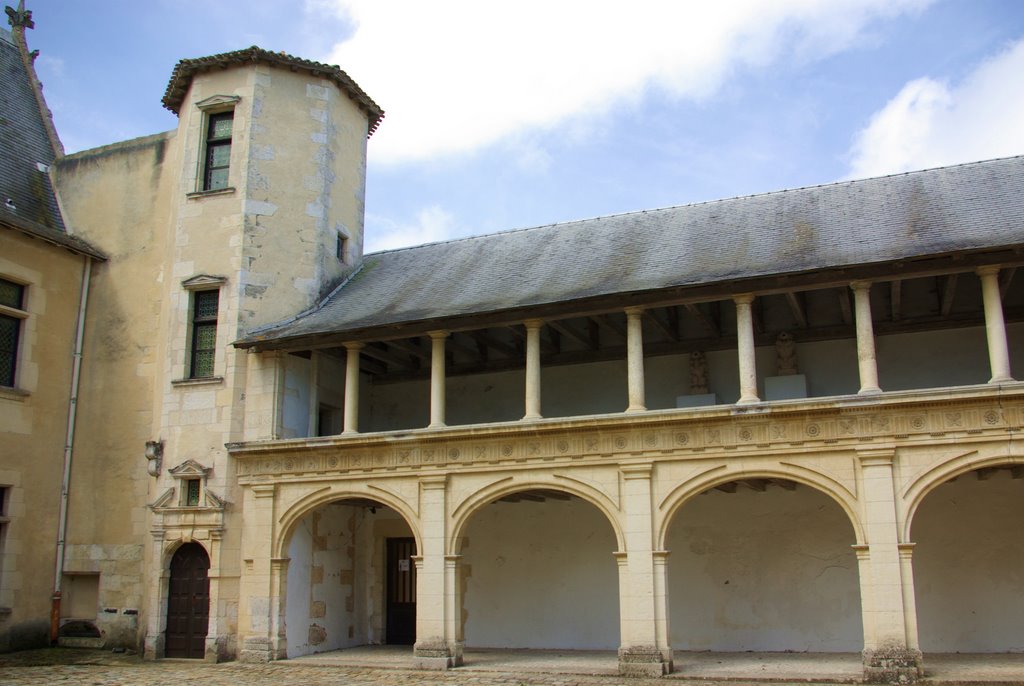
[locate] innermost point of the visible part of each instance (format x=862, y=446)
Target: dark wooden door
x=188, y=602
x=401, y=589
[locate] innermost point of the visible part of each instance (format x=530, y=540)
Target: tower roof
x=185, y=70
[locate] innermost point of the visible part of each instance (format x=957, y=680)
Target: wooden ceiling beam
x=492, y=342
x=948, y=294
x=407, y=345
x=378, y=353
x=843, y=296
x=705, y=321
x=605, y=322
x=670, y=333
x=566, y=330
x=896, y=299
x=796, y=306
x=1005, y=278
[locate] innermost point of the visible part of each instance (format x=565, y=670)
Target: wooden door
x=188, y=603
x=401, y=591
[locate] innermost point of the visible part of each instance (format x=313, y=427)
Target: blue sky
x=503, y=115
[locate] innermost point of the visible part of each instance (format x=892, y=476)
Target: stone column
x=909, y=595
x=890, y=653
x=745, y=349
x=314, y=394
x=435, y=647
x=635, y=359
x=437, y=381
x=995, y=326
x=645, y=650
x=352, y=387
x=258, y=619
x=866, y=363
x=217, y=628
x=533, y=327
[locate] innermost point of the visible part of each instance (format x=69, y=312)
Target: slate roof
x=23, y=144
x=184, y=70
x=939, y=211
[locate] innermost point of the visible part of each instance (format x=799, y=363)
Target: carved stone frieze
x=660, y=435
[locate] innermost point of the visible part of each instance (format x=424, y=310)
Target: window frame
x=213, y=143
x=196, y=324
x=211, y=109
x=16, y=315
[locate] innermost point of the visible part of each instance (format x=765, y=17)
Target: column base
x=436, y=655
x=644, y=661
x=256, y=650
x=892, y=665
x=153, y=647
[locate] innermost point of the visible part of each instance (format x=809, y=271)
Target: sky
x=504, y=115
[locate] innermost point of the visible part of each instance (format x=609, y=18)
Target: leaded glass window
x=12, y=295
x=204, y=332
x=192, y=492
x=218, y=151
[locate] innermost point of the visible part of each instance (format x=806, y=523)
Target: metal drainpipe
x=68, y=443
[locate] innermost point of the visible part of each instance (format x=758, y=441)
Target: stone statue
x=698, y=373
x=785, y=350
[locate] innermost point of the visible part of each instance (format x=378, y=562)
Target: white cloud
x=931, y=123
x=431, y=224
x=456, y=75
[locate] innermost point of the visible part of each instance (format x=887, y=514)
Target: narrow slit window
x=218, y=151
x=204, y=333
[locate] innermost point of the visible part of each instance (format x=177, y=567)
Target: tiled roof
x=966, y=207
x=24, y=145
x=183, y=72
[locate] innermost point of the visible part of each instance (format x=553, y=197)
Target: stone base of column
x=153, y=647
x=436, y=655
x=892, y=665
x=217, y=649
x=256, y=650
x=644, y=661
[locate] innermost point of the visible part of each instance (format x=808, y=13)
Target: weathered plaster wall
x=969, y=565
x=336, y=577
x=540, y=575
x=33, y=420
x=763, y=571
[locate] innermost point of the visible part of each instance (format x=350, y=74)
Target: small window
x=204, y=333
x=12, y=299
x=191, y=492
x=218, y=151
x=339, y=248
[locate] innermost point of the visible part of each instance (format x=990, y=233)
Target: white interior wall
x=295, y=397
x=969, y=565
x=769, y=570
x=540, y=575
x=951, y=357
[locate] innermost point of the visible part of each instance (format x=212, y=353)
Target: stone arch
x=171, y=547
x=684, y=492
x=464, y=511
x=919, y=489
x=311, y=501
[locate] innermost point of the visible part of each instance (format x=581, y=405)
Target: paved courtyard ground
x=386, y=666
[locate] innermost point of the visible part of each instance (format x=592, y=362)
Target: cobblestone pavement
x=59, y=667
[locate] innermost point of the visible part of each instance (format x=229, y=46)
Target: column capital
x=439, y=335
x=743, y=298
x=638, y=471
x=434, y=482
x=987, y=270
x=877, y=456
x=355, y=346
x=263, y=490
x=906, y=550
x=634, y=311
x=863, y=552
x=860, y=285
x=533, y=323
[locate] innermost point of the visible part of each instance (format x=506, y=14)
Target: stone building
x=783, y=422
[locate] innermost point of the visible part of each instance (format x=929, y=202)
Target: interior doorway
x=401, y=591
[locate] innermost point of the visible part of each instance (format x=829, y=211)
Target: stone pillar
x=258, y=620
x=866, y=363
x=352, y=387
x=890, y=653
x=745, y=349
x=314, y=394
x=217, y=625
x=156, y=620
x=909, y=594
x=533, y=327
x=995, y=326
x=635, y=359
x=437, y=381
x=645, y=650
x=437, y=645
